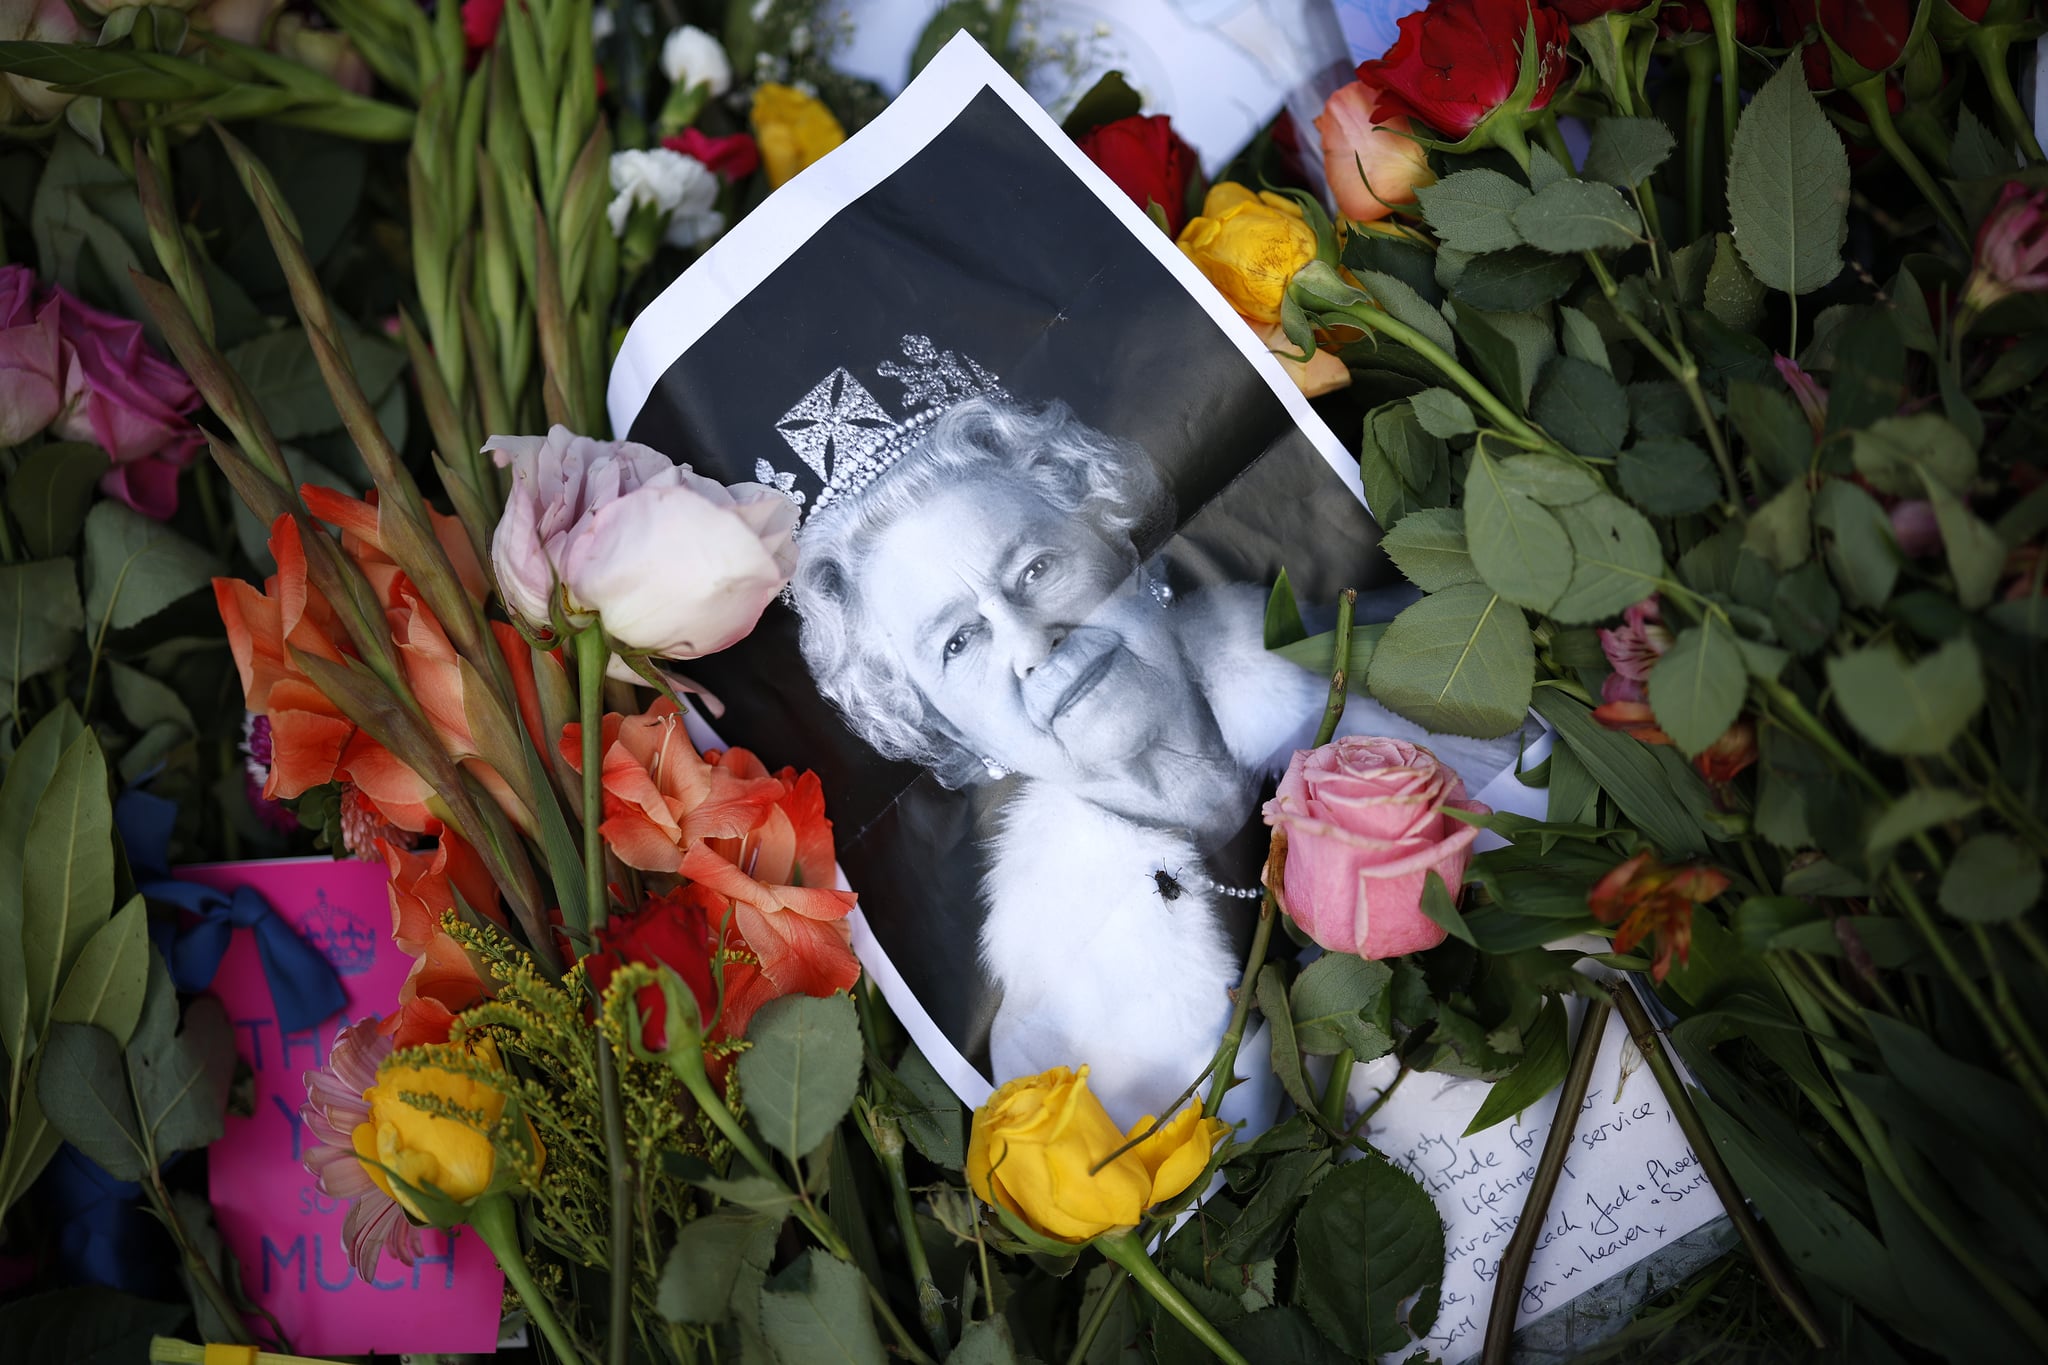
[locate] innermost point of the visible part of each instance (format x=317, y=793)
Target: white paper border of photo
x=724, y=276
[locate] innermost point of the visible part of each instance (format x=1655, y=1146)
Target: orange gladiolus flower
x=444, y=980
x=1648, y=899
x=363, y=540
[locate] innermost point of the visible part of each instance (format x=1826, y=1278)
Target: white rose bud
x=676, y=565
x=691, y=57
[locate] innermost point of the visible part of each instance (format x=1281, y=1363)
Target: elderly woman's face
x=1029, y=633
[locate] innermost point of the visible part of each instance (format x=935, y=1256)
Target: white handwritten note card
x=1631, y=1184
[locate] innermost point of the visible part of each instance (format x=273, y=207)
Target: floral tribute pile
x=1693, y=355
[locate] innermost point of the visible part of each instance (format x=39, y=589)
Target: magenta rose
x=1365, y=827
x=30, y=361
x=134, y=404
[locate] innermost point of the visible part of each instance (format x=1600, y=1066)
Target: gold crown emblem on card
x=848, y=439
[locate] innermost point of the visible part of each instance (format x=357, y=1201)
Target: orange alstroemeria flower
x=660, y=795
x=779, y=875
x=1648, y=899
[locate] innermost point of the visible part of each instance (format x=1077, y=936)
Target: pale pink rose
x=31, y=364
x=677, y=565
x=1915, y=528
x=1394, y=166
x=245, y=21
x=133, y=403
x=38, y=21
x=1365, y=827
x=325, y=50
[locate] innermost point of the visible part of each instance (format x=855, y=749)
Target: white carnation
x=673, y=184
x=692, y=57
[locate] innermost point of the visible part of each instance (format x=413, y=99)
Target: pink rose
x=134, y=404
x=1365, y=827
x=677, y=565
x=31, y=362
x=37, y=21
x=1371, y=166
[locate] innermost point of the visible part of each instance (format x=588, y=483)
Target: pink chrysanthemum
x=334, y=1109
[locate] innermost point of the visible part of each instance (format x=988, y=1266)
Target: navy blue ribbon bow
x=303, y=983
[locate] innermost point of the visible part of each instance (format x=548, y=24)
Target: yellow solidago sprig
x=1060, y=1174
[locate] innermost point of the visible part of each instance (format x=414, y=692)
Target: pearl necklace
x=1170, y=886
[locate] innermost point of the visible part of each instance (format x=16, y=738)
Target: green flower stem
x=1513, y=1269
x=1699, y=88
x=931, y=1304
x=1339, y=1085
x=1723, y=12
x=1373, y=319
x=2030, y=940
x=1768, y=1264
x=1683, y=368
x=1126, y=1250
x=496, y=1221
x=592, y=653
x=1989, y=46
x=1092, y=1328
x=1870, y=96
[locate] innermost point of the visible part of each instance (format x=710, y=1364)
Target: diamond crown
x=848, y=440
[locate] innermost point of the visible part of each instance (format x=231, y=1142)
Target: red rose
x=1871, y=33
x=1752, y=25
x=1147, y=160
x=480, y=20
x=733, y=157
x=1458, y=61
x=682, y=931
x=1586, y=11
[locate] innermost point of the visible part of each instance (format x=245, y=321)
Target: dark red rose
x=1799, y=26
x=733, y=157
x=1586, y=11
x=1752, y=25
x=682, y=930
x=1871, y=33
x=480, y=20
x=1457, y=61
x=1147, y=160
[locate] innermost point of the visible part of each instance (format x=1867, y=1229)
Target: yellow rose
x=793, y=130
x=1249, y=245
x=1038, y=1138
x=450, y=1155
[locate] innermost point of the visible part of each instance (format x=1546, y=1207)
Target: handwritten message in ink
x=284, y=1232
x=1631, y=1184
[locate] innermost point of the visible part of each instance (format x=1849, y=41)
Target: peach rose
x=1394, y=165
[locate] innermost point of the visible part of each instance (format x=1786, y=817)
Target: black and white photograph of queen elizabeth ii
x=1047, y=480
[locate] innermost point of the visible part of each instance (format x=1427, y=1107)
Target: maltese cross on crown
x=848, y=439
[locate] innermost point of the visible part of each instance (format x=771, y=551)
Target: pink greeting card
x=285, y=1233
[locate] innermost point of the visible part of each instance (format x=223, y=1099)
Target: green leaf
x=1669, y=476
x=1368, y=1241
x=1517, y=279
x=135, y=567
x=1918, y=708
x=1552, y=480
x=1976, y=556
x=27, y=776
x=1978, y=153
x=1625, y=771
x=146, y=702
x=1992, y=879
x=1472, y=210
x=1697, y=688
x=67, y=881
x=1581, y=405
x=1625, y=151
x=1442, y=413
x=1108, y=100
x=1262, y=1229
x=930, y=1113
x=1659, y=407
x=1541, y=1070
x=1458, y=662
x=1921, y=808
x=1510, y=349
x=1895, y=453
x=1341, y=1001
x=1404, y=305
x=105, y=986
x=1788, y=187
x=1860, y=547
x=1582, y=338
x=1773, y=430
x=83, y=1089
x=1618, y=561
x=1805, y=608
x=1442, y=908
x=800, y=1075
x=985, y=1343
x=1781, y=532
x=1571, y=216
x=1283, y=614
x=50, y=491
x=816, y=1312
x=85, y=1326
x=180, y=1076
x=1518, y=547
x=1429, y=549
x=697, y=1279
x=1732, y=295
x=1285, y=1053
x=39, y=617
